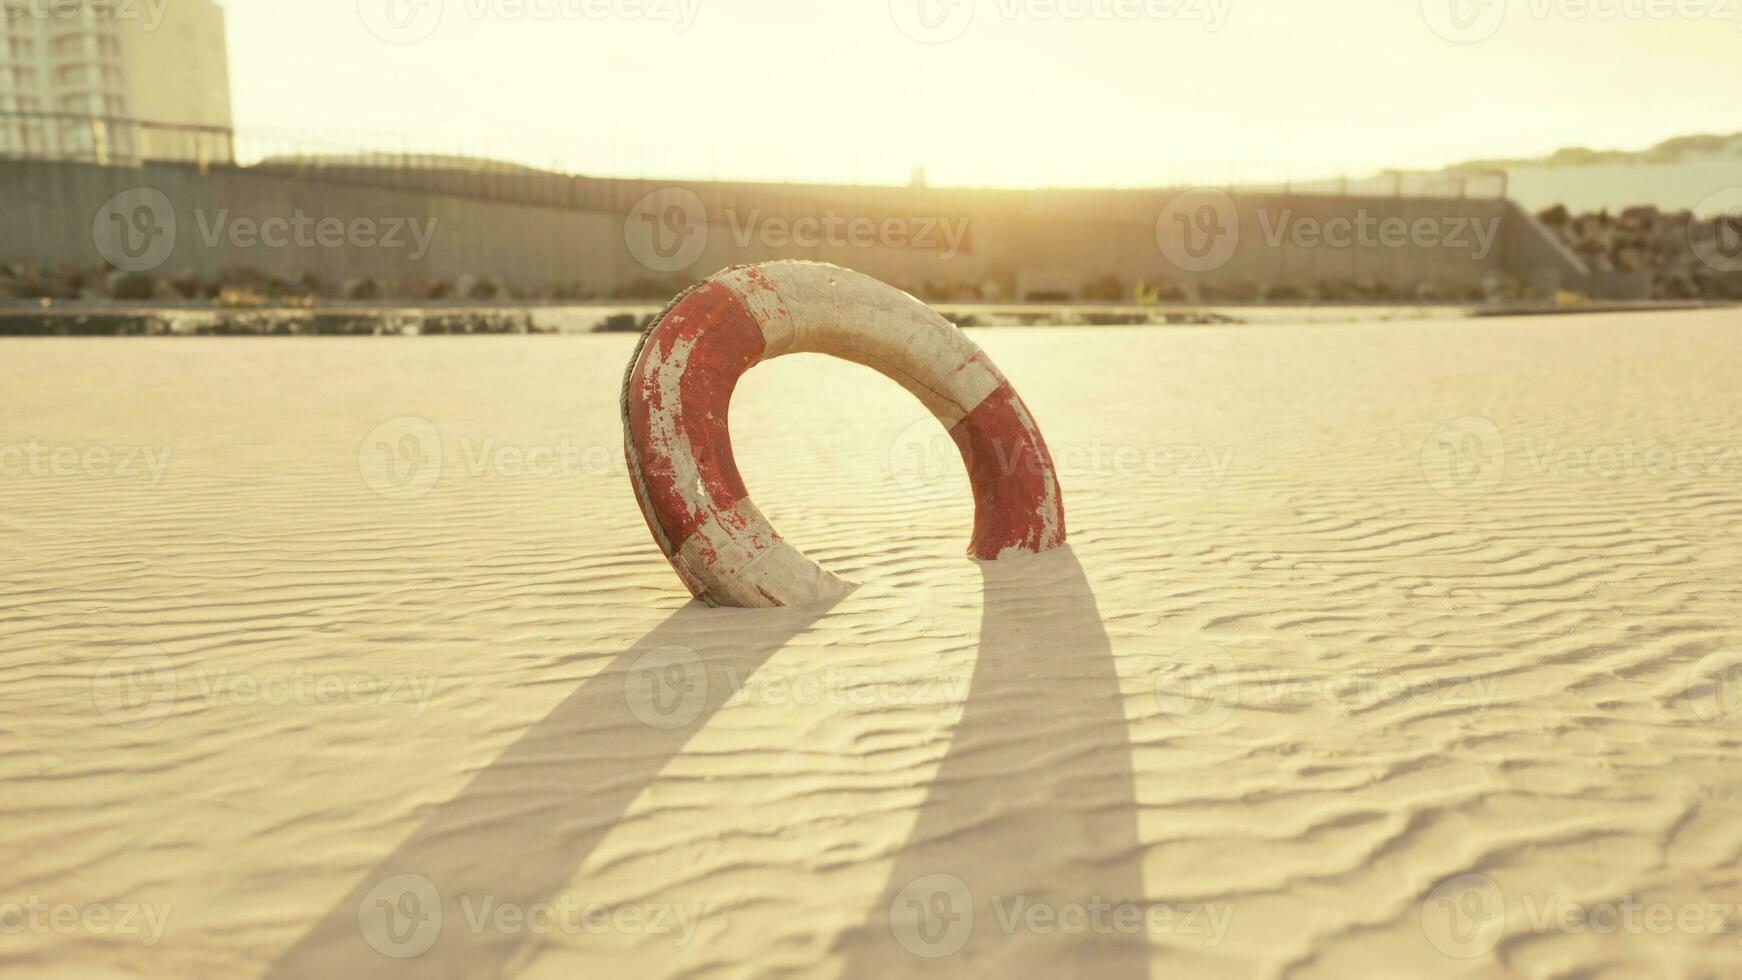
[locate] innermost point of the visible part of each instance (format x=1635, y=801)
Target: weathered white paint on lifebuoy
x=678, y=390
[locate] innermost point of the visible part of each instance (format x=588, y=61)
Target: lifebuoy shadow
x=1034, y=802
x=1031, y=820
x=519, y=831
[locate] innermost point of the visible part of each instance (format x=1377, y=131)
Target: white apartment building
x=87, y=79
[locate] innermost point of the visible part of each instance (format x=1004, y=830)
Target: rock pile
x=1688, y=258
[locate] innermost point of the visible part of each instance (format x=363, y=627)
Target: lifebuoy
x=678, y=389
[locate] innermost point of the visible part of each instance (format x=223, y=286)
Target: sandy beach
x=1407, y=649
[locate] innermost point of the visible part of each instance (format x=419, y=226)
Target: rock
x=301, y=286
x=1644, y=216
x=186, y=282
x=243, y=275
x=619, y=323
x=1106, y=289
x=133, y=286
x=360, y=288
x=29, y=282
x=650, y=289
x=1675, y=286
x=472, y=287
x=1238, y=291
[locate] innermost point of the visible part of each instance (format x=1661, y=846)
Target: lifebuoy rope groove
x=677, y=394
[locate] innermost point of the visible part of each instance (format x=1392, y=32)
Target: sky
x=1015, y=93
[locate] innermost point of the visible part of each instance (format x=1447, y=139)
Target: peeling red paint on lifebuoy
x=678, y=392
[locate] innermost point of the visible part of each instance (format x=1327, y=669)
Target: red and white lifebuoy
x=678, y=390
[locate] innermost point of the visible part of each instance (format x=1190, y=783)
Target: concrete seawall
x=544, y=233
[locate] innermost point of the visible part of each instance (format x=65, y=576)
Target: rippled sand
x=1381, y=649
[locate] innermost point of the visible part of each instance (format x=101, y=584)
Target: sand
x=1380, y=649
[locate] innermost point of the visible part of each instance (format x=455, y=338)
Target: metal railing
x=123, y=141
x=111, y=140
x=440, y=166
